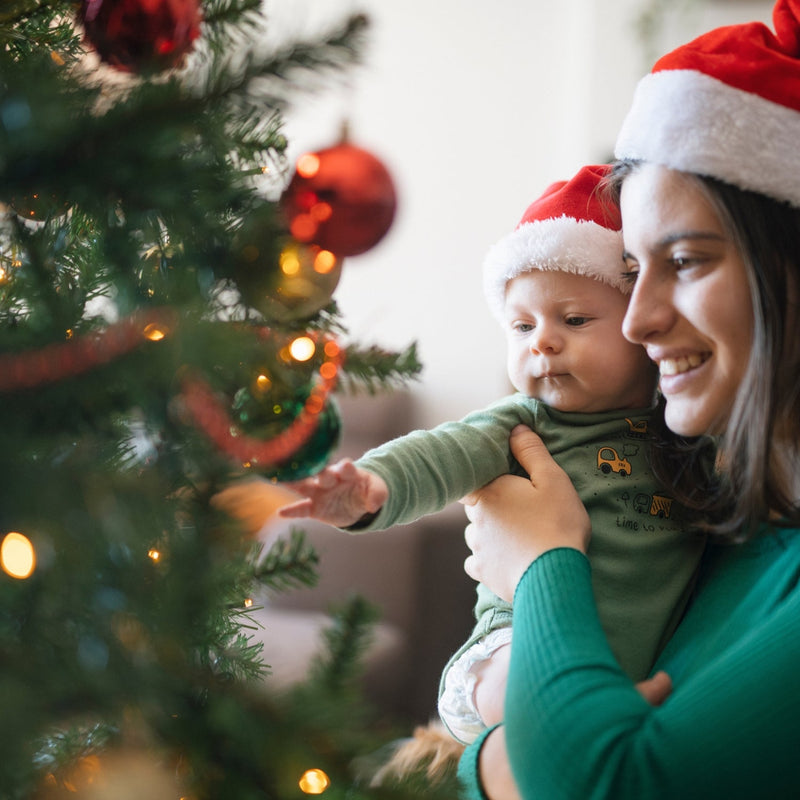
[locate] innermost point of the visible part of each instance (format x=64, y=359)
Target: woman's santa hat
x=726, y=105
x=570, y=228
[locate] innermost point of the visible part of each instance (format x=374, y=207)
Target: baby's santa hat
x=726, y=105
x=570, y=228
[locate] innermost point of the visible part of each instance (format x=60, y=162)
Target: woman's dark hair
x=748, y=482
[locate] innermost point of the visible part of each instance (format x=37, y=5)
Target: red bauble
x=141, y=35
x=341, y=199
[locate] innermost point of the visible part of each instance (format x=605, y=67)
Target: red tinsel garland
x=211, y=416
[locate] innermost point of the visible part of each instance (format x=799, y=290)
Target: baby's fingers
x=300, y=508
x=344, y=470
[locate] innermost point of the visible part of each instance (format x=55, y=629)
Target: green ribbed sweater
x=577, y=728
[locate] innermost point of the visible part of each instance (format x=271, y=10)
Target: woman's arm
x=575, y=725
x=493, y=776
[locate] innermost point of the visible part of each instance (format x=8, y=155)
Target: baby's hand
x=339, y=494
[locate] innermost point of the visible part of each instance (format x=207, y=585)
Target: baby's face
x=565, y=344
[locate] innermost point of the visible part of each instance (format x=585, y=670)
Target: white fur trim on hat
x=563, y=244
x=691, y=122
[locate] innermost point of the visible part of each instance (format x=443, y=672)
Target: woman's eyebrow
x=679, y=236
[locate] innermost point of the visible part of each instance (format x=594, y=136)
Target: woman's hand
x=495, y=770
x=514, y=520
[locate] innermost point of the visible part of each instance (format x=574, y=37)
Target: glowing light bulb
x=314, y=781
x=324, y=262
x=154, y=554
x=303, y=227
x=248, y=602
x=321, y=212
x=328, y=371
x=153, y=332
x=308, y=165
x=290, y=262
x=302, y=348
x=263, y=383
x=17, y=556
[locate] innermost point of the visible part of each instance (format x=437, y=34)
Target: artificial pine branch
x=268, y=78
x=376, y=369
x=218, y=12
x=289, y=563
x=59, y=749
x=347, y=639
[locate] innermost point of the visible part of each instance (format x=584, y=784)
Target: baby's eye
x=522, y=327
x=630, y=276
x=576, y=321
x=631, y=271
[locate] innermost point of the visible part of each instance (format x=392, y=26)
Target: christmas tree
x=167, y=327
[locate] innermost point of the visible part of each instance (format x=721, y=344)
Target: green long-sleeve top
x=643, y=560
x=577, y=728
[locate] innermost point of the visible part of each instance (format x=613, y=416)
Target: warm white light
x=302, y=348
x=314, y=781
x=154, y=554
x=324, y=262
x=290, y=262
x=308, y=165
x=17, y=556
x=154, y=332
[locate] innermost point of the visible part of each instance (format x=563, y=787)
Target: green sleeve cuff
x=469, y=777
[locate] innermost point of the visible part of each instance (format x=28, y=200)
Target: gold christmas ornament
x=302, y=284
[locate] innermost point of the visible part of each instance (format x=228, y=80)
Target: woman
x=710, y=195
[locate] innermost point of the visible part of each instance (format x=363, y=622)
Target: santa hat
x=726, y=105
x=570, y=228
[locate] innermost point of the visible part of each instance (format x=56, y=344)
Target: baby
x=556, y=285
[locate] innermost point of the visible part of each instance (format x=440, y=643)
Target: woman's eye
x=684, y=261
x=630, y=276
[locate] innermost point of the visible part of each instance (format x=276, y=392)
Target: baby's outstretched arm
x=340, y=495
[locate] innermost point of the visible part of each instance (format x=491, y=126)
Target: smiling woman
x=710, y=201
x=691, y=306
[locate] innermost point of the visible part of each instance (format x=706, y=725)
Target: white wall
x=475, y=107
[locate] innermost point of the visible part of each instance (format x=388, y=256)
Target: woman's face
x=691, y=306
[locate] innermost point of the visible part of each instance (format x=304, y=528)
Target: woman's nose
x=650, y=310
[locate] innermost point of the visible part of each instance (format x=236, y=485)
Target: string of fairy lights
x=79, y=354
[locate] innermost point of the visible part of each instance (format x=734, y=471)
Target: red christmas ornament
x=341, y=199
x=139, y=35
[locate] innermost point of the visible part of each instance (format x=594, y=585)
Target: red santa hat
x=726, y=105
x=570, y=228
